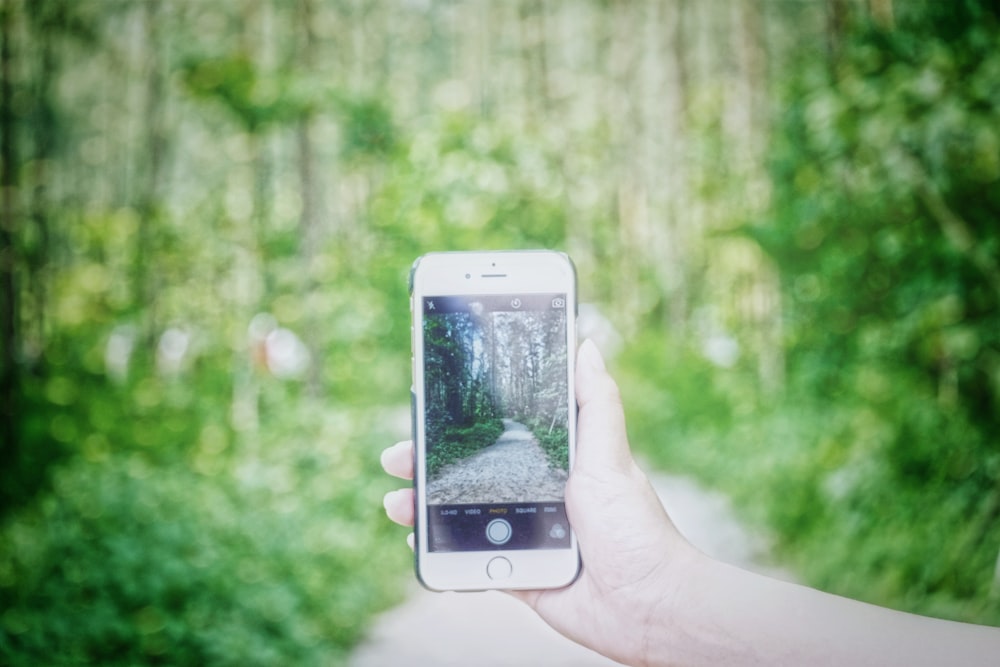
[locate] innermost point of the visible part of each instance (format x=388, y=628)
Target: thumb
x=602, y=442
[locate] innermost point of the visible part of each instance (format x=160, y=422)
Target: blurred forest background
x=784, y=214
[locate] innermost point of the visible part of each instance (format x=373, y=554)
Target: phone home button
x=499, y=568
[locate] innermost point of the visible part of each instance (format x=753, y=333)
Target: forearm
x=726, y=616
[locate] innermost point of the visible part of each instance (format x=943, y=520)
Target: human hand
x=630, y=550
x=645, y=596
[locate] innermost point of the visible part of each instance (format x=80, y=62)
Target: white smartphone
x=494, y=419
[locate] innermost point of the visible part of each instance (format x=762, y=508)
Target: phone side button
x=499, y=568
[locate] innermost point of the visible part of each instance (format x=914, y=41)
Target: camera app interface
x=496, y=421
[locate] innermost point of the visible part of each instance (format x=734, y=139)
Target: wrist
x=682, y=628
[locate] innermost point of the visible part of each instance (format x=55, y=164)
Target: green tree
x=887, y=191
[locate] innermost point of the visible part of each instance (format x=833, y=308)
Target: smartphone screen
x=496, y=421
x=494, y=337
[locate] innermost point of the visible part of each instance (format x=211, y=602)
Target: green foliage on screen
x=454, y=443
x=553, y=443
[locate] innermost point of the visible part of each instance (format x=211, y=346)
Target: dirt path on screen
x=512, y=470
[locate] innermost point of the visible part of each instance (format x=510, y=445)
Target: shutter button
x=498, y=531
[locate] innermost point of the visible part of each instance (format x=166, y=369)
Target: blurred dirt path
x=493, y=630
x=512, y=470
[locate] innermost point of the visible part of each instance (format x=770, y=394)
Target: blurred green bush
x=271, y=551
x=893, y=503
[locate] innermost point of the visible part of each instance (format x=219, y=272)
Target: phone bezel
x=487, y=273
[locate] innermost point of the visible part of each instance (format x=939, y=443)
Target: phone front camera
x=467, y=276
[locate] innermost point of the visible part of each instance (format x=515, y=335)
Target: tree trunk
x=148, y=200
x=837, y=12
x=531, y=22
x=36, y=256
x=309, y=228
x=9, y=329
x=678, y=207
x=749, y=136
